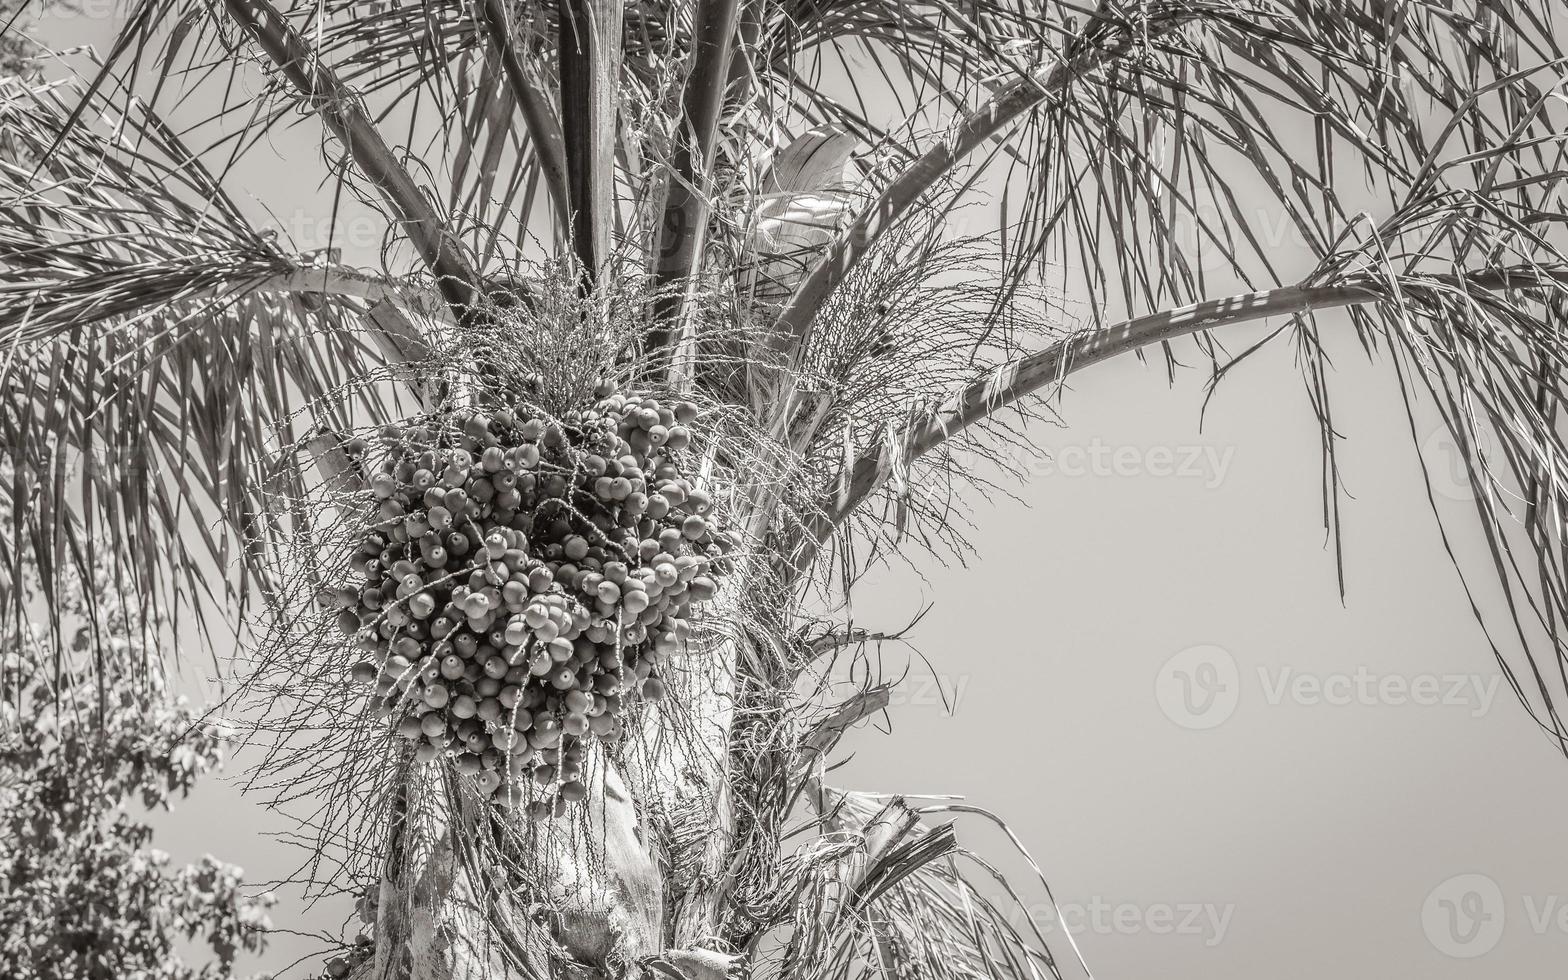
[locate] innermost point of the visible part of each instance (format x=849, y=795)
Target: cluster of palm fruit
x=526, y=580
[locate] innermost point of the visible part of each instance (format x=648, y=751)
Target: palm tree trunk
x=442, y=914
x=641, y=873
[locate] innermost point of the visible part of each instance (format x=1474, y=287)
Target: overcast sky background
x=1224, y=771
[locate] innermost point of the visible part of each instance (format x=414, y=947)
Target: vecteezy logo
x=1451, y=470
x=1198, y=688
x=1463, y=917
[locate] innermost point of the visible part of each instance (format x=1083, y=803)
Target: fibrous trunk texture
x=638, y=875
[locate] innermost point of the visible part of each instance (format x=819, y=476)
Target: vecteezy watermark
x=1362, y=686
x=945, y=691
x=309, y=232
x=74, y=10
x=46, y=463
x=917, y=689
x=1205, y=463
x=1454, y=473
x=1197, y=235
x=1204, y=921
x=1464, y=916
x=1200, y=687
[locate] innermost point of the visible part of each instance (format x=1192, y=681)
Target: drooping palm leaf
x=162, y=357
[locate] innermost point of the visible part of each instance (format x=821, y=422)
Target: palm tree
x=747, y=206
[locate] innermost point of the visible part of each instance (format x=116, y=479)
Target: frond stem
x=1009, y=103
x=354, y=284
x=534, y=105
x=317, y=87
x=589, y=50
x=1007, y=383
x=686, y=207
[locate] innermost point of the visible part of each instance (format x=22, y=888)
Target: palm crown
x=748, y=205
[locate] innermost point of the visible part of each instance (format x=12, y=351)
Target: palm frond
x=883, y=894
x=163, y=358
x=1486, y=346
x=315, y=85
x=680, y=232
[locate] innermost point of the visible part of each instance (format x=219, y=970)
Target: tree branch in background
x=684, y=225
x=590, y=68
x=339, y=108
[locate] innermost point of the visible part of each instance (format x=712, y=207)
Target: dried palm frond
x=882, y=894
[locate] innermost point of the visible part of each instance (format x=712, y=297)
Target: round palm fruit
x=521, y=577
